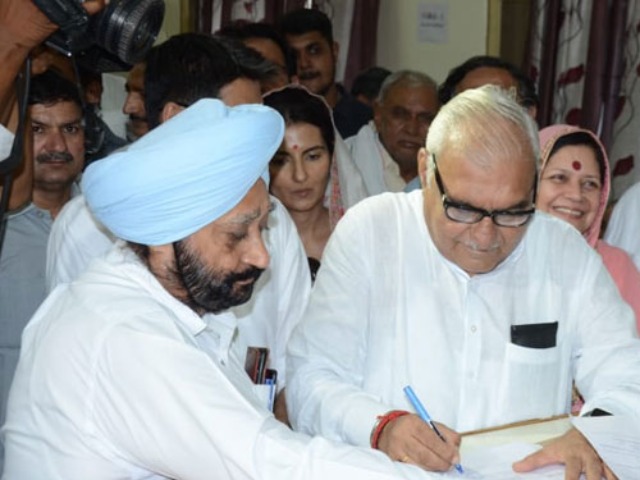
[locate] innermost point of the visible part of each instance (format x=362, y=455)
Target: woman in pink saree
x=574, y=186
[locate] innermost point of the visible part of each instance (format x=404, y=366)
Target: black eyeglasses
x=462, y=213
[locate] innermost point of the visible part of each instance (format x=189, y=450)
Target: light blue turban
x=184, y=174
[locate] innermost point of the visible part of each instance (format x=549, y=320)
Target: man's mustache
x=137, y=118
x=251, y=273
x=54, y=157
x=308, y=75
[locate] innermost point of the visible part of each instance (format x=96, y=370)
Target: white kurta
x=379, y=171
x=623, y=230
x=6, y=142
x=387, y=310
x=279, y=297
x=352, y=186
x=118, y=379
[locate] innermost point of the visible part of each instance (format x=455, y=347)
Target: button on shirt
x=395, y=312
x=118, y=379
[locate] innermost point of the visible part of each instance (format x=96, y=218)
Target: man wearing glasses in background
x=487, y=310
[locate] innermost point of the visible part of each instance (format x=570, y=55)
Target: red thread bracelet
x=383, y=421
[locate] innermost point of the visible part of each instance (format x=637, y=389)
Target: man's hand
x=571, y=449
x=24, y=25
x=410, y=440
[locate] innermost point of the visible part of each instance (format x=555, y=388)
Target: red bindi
x=577, y=166
x=295, y=147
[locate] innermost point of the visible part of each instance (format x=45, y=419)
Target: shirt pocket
x=535, y=383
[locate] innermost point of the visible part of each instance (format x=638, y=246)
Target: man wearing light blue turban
x=179, y=72
x=158, y=193
x=126, y=369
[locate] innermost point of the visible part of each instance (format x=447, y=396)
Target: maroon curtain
x=603, y=66
x=614, y=69
x=364, y=33
x=547, y=74
x=273, y=10
x=592, y=98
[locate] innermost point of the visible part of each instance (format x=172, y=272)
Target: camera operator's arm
x=23, y=27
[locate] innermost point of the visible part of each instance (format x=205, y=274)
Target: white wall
x=398, y=45
x=171, y=23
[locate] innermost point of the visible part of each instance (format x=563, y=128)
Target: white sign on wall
x=433, y=22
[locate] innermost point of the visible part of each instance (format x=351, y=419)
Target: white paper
x=433, y=22
x=617, y=441
x=495, y=463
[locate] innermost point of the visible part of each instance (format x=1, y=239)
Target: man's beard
x=209, y=290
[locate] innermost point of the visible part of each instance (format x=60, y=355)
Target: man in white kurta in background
x=385, y=149
x=125, y=373
x=623, y=229
x=457, y=290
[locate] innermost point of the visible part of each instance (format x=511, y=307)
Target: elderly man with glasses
x=488, y=309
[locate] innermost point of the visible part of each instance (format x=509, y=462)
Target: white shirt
x=388, y=310
x=76, y=238
x=379, y=171
x=6, y=142
x=118, y=379
x=623, y=230
x=279, y=297
x=352, y=186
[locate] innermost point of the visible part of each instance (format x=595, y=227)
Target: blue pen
x=422, y=413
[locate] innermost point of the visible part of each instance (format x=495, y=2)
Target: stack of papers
x=616, y=439
x=495, y=463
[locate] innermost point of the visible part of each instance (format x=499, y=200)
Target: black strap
x=12, y=162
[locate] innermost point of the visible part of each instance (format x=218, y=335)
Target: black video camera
x=111, y=40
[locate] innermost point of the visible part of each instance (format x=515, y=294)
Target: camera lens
x=128, y=28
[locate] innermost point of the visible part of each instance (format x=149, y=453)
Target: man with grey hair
x=385, y=149
x=460, y=291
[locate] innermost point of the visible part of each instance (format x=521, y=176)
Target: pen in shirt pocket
x=424, y=415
